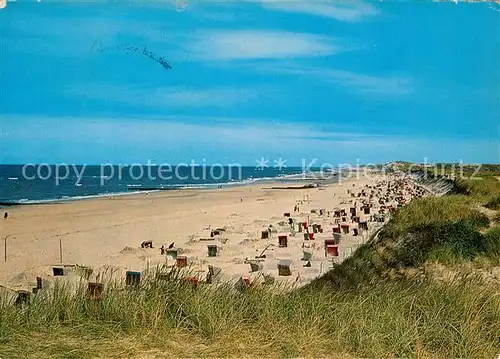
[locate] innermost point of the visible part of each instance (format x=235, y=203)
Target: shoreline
x=106, y=233
x=137, y=189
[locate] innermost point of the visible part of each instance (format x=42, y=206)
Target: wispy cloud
x=259, y=44
x=166, y=97
x=341, y=11
x=101, y=140
x=385, y=85
x=180, y=138
x=219, y=97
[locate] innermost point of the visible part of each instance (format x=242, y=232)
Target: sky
x=337, y=82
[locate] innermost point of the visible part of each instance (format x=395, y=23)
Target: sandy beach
x=108, y=232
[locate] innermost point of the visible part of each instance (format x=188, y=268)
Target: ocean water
x=39, y=184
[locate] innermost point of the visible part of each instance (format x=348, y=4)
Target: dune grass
x=432, y=210
x=485, y=190
x=171, y=319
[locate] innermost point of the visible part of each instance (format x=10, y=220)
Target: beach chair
x=212, y=250
x=332, y=250
x=337, y=237
x=94, y=291
x=328, y=242
x=284, y=267
x=242, y=284
x=132, y=279
x=255, y=266
x=213, y=275
x=307, y=256
x=22, y=299
x=193, y=280
x=282, y=241
x=58, y=271
x=181, y=262
x=147, y=244
x=172, y=253
x=268, y=279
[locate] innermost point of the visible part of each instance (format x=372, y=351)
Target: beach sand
x=109, y=231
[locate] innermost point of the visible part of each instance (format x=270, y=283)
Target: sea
x=36, y=184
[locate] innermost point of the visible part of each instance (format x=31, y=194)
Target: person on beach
x=6, y=215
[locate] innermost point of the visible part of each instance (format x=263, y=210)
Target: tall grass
x=359, y=309
x=492, y=241
x=486, y=190
x=171, y=319
x=432, y=210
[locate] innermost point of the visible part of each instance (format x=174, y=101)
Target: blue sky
x=337, y=82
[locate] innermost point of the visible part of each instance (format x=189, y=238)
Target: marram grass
x=458, y=319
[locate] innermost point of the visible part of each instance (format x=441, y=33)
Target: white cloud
x=166, y=97
x=386, y=85
x=219, y=97
x=389, y=85
x=101, y=140
x=341, y=11
x=259, y=44
x=173, y=140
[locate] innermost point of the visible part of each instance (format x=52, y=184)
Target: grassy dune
x=381, y=302
x=171, y=319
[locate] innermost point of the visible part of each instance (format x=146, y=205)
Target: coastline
x=134, y=189
x=105, y=232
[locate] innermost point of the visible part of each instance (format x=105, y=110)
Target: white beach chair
x=307, y=256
